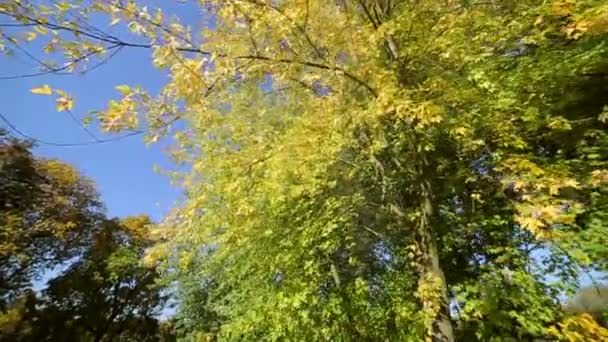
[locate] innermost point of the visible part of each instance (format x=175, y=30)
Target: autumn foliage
x=364, y=169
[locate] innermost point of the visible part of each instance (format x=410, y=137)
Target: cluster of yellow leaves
x=540, y=206
x=12, y=223
x=579, y=328
x=137, y=226
x=585, y=19
x=63, y=177
x=598, y=178
x=10, y=318
x=61, y=173
x=575, y=31
x=265, y=153
x=120, y=115
x=155, y=254
x=429, y=292
x=539, y=219
x=563, y=7
x=189, y=82
x=64, y=101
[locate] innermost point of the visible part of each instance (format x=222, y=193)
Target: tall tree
x=46, y=210
x=52, y=217
x=366, y=169
x=107, y=295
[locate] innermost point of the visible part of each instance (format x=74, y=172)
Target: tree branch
x=314, y=65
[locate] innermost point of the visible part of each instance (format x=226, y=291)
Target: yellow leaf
x=49, y=48
x=124, y=89
x=476, y=197
x=31, y=36
x=44, y=90
x=571, y=183
x=64, y=103
x=598, y=177
x=461, y=131
x=41, y=29
x=61, y=93
x=560, y=123
x=530, y=223
x=564, y=7
x=603, y=117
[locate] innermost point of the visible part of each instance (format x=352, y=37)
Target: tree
x=106, y=295
x=47, y=209
x=51, y=216
x=382, y=170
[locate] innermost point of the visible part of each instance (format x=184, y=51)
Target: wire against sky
x=14, y=128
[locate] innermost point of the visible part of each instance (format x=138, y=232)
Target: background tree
x=47, y=211
x=51, y=217
x=107, y=295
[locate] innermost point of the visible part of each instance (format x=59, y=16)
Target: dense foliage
x=46, y=211
x=591, y=300
x=52, y=218
x=367, y=169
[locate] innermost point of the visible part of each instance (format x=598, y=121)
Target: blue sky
x=122, y=170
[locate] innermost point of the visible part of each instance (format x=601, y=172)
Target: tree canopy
x=365, y=169
x=46, y=211
x=52, y=218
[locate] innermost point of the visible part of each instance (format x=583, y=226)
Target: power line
x=57, y=144
x=82, y=125
x=61, y=71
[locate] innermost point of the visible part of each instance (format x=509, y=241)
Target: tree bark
x=440, y=329
x=99, y=335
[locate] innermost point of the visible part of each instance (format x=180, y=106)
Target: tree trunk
x=99, y=336
x=440, y=327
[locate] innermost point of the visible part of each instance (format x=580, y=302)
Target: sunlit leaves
x=31, y=36
x=603, y=117
x=124, y=89
x=47, y=206
x=64, y=103
x=105, y=286
x=580, y=327
x=119, y=115
x=43, y=90
x=317, y=129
